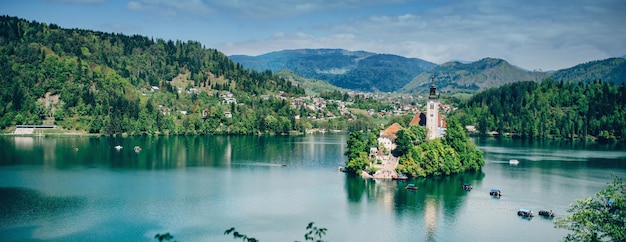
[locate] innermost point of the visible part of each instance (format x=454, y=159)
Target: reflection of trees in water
x=433, y=194
x=568, y=154
x=446, y=190
x=20, y=205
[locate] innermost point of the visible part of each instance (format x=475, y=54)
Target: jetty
x=30, y=129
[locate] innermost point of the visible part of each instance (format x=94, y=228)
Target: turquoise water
x=270, y=188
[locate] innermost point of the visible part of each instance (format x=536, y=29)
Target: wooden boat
x=546, y=213
x=467, y=186
x=411, y=186
x=400, y=177
x=525, y=213
x=495, y=193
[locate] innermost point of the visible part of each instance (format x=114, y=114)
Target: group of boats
x=526, y=213
x=495, y=193
x=136, y=148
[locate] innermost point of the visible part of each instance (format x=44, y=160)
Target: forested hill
x=356, y=70
x=550, y=109
x=612, y=70
x=113, y=83
x=454, y=77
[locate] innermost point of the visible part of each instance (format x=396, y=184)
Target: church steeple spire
x=433, y=90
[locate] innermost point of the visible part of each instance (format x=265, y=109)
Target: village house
x=229, y=100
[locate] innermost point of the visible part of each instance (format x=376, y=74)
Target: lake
x=270, y=188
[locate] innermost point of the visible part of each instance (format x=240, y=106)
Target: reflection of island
x=431, y=210
x=437, y=199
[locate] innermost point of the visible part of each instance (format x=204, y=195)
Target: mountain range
x=366, y=71
x=357, y=70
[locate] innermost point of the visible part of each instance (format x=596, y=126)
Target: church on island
x=435, y=128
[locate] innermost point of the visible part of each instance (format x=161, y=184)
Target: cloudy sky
x=532, y=34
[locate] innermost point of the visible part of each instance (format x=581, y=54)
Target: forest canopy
x=550, y=110
x=110, y=83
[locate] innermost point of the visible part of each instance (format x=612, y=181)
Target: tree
x=598, y=218
x=404, y=141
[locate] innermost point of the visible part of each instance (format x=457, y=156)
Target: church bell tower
x=432, y=113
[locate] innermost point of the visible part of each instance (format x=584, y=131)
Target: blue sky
x=532, y=34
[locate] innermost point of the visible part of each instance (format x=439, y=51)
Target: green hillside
x=311, y=86
x=355, y=70
x=455, y=77
x=550, y=110
x=612, y=70
x=109, y=83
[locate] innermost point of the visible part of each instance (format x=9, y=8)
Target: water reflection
x=158, y=152
x=21, y=205
x=435, y=197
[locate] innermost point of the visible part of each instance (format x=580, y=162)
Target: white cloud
x=169, y=7
x=78, y=1
x=533, y=35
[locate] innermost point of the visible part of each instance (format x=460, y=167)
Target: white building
x=432, y=113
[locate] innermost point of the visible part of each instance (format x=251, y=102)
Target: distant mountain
x=611, y=70
x=311, y=86
x=365, y=71
x=455, y=76
x=356, y=70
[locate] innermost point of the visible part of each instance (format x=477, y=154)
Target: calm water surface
x=270, y=188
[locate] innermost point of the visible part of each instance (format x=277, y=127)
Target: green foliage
x=357, y=70
x=405, y=139
x=357, y=150
x=611, y=70
x=313, y=234
x=164, y=237
x=454, y=153
x=550, y=110
x=456, y=77
x=367, y=103
x=103, y=84
x=598, y=218
x=237, y=235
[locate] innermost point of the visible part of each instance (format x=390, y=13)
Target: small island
x=441, y=147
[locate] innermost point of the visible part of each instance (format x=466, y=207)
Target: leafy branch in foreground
x=598, y=218
x=238, y=235
x=162, y=237
x=315, y=233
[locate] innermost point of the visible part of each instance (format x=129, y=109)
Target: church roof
x=415, y=120
x=391, y=131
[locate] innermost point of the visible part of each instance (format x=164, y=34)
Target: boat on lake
x=118, y=147
x=525, y=213
x=411, y=186
x=137, y=148
x=467, y=187
x=546, y=213
x=400, y=176
x=513, y=162
x=495, y=193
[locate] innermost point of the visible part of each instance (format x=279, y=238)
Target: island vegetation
x=418, y=157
